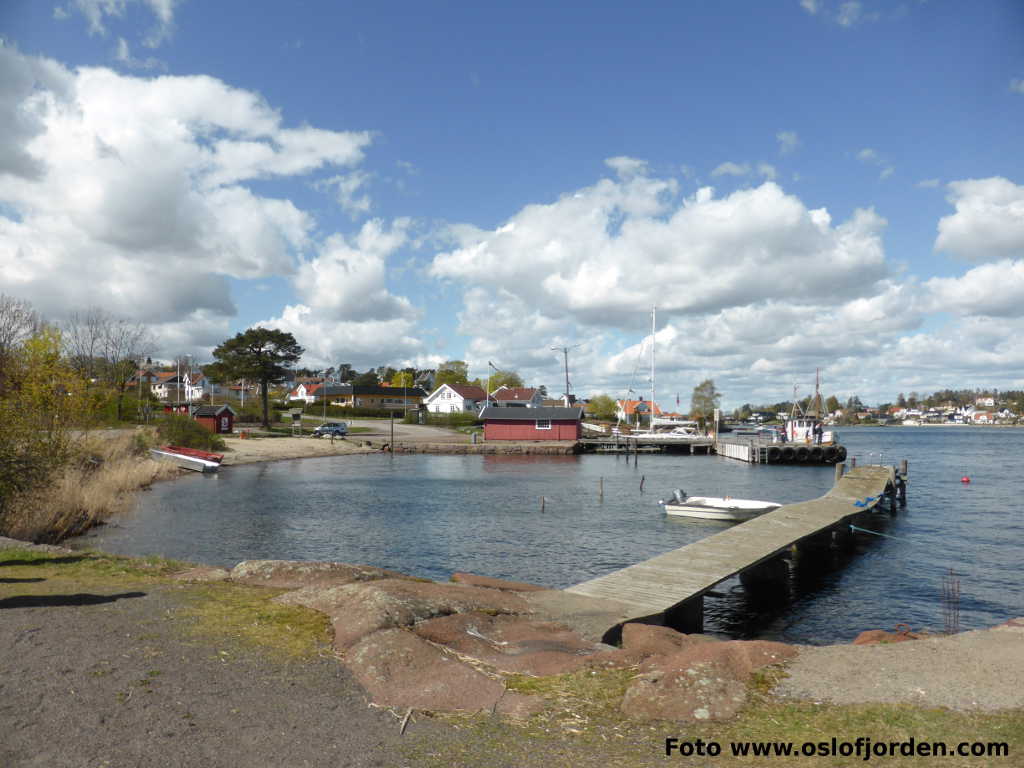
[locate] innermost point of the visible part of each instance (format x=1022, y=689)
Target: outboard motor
x=678, y=497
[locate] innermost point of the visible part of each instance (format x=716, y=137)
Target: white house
x=169, y=386
x=306, y=391
x=455, y=398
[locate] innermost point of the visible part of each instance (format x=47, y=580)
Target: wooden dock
x=640, y=444
x=673, y=584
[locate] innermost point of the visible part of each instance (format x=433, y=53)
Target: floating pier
x=755, y=450
x=673, y=585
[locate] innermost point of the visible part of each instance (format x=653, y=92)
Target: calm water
x=433, y=515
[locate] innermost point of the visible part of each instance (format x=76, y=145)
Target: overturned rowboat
x=188, y=458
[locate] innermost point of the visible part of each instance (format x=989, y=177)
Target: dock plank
x=662, y=582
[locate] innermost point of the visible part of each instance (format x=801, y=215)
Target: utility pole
x=565, y=353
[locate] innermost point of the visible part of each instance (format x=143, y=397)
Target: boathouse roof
x=532, y=414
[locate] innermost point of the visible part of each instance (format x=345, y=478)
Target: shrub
x=96, y=483
x=176, y=429
x=451, y=420
x=345, y=412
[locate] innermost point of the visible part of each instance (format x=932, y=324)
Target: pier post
x=687, y=617
x=840, y=471
x=767, y=575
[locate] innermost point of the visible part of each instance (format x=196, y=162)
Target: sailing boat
x=682, y=434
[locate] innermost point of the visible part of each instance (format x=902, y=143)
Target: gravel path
x=981, y=670
x=109, y=679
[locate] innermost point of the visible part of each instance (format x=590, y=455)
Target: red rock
x=880, y=636
x=698, y=693
x=295, y=574
x=652, y=640
x=704, y=681
x=510, y=643
x=358, y=609
x=399, y=669
x=486, y=581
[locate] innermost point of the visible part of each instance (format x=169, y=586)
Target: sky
x=795, y=185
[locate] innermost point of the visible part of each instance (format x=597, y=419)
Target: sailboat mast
x=654, y=313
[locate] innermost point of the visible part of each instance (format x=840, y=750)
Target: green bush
x=345, y=412
x=450, y=420
x=175, y=429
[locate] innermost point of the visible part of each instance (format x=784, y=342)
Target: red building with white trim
x=503, y=423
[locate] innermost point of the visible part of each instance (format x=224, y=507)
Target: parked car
x=331, y=428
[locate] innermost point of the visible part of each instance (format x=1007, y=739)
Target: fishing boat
x=716, y=507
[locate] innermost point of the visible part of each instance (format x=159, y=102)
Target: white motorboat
x=716, y=507
x=680, y=435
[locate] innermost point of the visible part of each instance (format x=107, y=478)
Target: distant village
x=427, y=390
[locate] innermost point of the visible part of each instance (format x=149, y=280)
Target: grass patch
x=246, y=615
x=224, y=612
x=581, y=725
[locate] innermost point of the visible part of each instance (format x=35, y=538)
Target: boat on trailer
x=716, y=507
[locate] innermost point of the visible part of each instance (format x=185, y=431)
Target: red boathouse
x=510, y=423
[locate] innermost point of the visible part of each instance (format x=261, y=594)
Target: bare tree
x=124, y=345
x=106, y=348
x=18, y=321
x=83, y=341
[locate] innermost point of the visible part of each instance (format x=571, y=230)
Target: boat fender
x=965, y=479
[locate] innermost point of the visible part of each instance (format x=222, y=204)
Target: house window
x=543, y=424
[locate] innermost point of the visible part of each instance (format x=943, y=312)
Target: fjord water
x=430, y=516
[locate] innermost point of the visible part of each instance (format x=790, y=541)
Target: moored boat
x=716, y=507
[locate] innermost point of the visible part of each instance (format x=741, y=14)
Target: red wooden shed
x=216, y=418
x=504, y=423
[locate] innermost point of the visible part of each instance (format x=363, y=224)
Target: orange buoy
x=965, y=479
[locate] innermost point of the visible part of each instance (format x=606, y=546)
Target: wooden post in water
x=541, y=503
x=600, y=486
x=391, y=445
x=642, y=478
x=840, y=470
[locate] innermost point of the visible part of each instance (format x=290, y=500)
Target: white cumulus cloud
x=989, y=220
x=131, y=193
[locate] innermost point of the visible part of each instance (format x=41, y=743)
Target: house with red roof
x=456, y=398
x=519, y=397
x=635, y=411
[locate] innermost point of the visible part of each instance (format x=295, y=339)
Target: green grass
x=219, y=611
x=581, y=725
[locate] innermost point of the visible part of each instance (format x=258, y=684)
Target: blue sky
x=796, y=185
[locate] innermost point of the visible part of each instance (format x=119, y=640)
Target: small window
x=543, y=424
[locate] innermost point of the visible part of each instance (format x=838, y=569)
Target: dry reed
x=95, y=486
